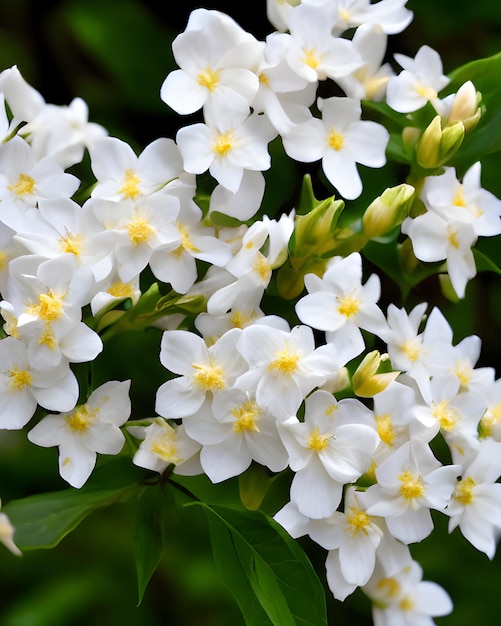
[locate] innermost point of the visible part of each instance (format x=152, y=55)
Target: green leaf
x=267, y=572
x=484, y=263
x=42, y=520
x=148, y=538
x=486, y=137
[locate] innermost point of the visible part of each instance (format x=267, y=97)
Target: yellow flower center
x=246, y=416
x=130, y=187
x=80, y=419
x=446, y=416
x=121, y=290
x=311, y=58
x=209, y=377
x=385, y=429
x=186, y=243
x=464, y=491
x=285, y=362
x=389, y=586
x=491, y=419
x=412, y=349
x=19, y=378
x=358, y=521
x=164, y=445
x=425, y=91
x=24, y=186
x=407, y=604
x=47, y=338
x=335, y=140
x=412, y=487
x=139, y=230
x=49, y=308
x=262, y=267
x=348, y=305
x=208, y=79
x=70, y=243
x=316, y=441
x=224, y=143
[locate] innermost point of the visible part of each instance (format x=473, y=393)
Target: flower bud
x=436, y=145
x=314, y=229
x=465, y=106
x=388, y=210
x=366, y=381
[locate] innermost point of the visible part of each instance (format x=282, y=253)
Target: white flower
x=217, y=60
x=404, y=599
x=234, y=430
x=164, y=445
x=419, y=82
x=339, y=304
x=316, y=54
x=341, y=139
x=410, y=482
x=464, y=201
x=122, y=175
x=90, y=428
x=283, y=366
x=203, y=370
x=229, y=144
x=437, y=239
x=475, y=505
x=332, y=447
x=22, y=386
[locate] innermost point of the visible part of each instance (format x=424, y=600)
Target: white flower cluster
x=244, y=386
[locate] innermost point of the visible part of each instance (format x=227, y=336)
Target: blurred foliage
x=115, y=54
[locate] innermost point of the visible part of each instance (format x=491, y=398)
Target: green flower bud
x=388, y=210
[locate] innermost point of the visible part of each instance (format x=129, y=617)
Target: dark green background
x=115, y=55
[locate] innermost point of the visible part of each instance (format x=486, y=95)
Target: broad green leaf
x=484, y=263
x=148, y=538
x=486, y=137
x=267, y=572
x=126, y=40
x=42, y=520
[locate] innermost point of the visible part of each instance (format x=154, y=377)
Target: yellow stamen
x=139, y=230
x=407, y=604
x=317, y=442
x=358, y=521
x=311, y=58
x=209, y=377
x=223, y=143
x=49, y=308
x=446, y=416
x=389, y=586
x=130, y=187
x=452, y=237
x=246, y=416
x=262, y=267
x=24, y=186
x=385, y=429
x=80, y=419
x=335, y=140
x=411, y=487
x=425, y=92
x=412, y=349
x=209, y=79
x=19, y=378
x=285, y=362
x=348, y=305
x=164, y=445
x=464, y=491
x=121, y=290
x=72, y=244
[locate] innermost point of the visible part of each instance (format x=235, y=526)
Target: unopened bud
x=366, y=381
x=465, y=106
x=436, y=146
x=388, y=210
